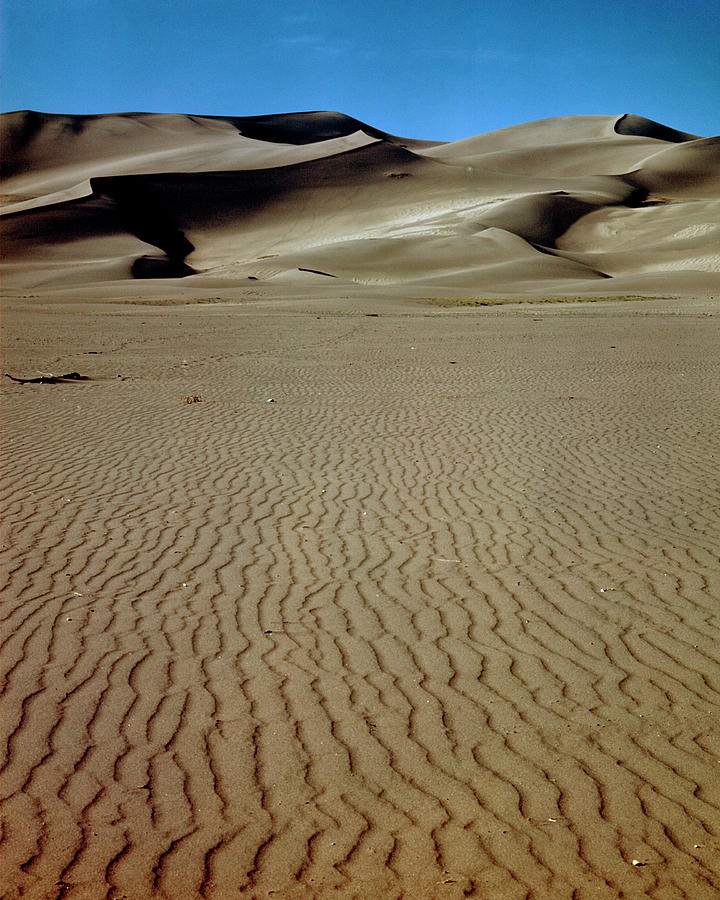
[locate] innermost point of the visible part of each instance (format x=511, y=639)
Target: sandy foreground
x=318, y=583
x=440, y=620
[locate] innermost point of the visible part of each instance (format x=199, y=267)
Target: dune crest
x=217, y=197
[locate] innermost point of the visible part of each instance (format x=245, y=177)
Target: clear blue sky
x=430, y=69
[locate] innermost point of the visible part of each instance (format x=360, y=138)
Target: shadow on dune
x=159, y=209
x=151, y=267
x=638, y=126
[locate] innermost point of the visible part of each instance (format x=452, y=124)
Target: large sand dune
x=317, y=589
x=112, y=197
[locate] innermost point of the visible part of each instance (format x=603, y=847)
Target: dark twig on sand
x=50, y=379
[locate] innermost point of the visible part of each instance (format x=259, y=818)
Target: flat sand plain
x=412, y=601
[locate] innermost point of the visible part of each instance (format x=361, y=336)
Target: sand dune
x=316, y=588
x=216, y=198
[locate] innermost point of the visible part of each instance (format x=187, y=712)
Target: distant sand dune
x=213, y=197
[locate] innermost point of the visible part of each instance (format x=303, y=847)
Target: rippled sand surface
x=360, y=599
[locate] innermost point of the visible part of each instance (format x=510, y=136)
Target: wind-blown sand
x=327, y=590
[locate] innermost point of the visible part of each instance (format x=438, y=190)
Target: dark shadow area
x=641, y=127
x=151, y=267
x=299, y=128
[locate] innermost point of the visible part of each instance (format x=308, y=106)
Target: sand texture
x=574, y=205
x=314, y=587
x=440, y=620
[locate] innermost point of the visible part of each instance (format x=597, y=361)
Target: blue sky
x=431, y=69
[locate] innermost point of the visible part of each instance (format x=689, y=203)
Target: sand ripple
x=439, y=621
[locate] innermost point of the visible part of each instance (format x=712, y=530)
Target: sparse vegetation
x=498, y=301
x=656, y=201
x=184, y=301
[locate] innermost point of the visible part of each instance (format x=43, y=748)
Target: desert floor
x=414, y=600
